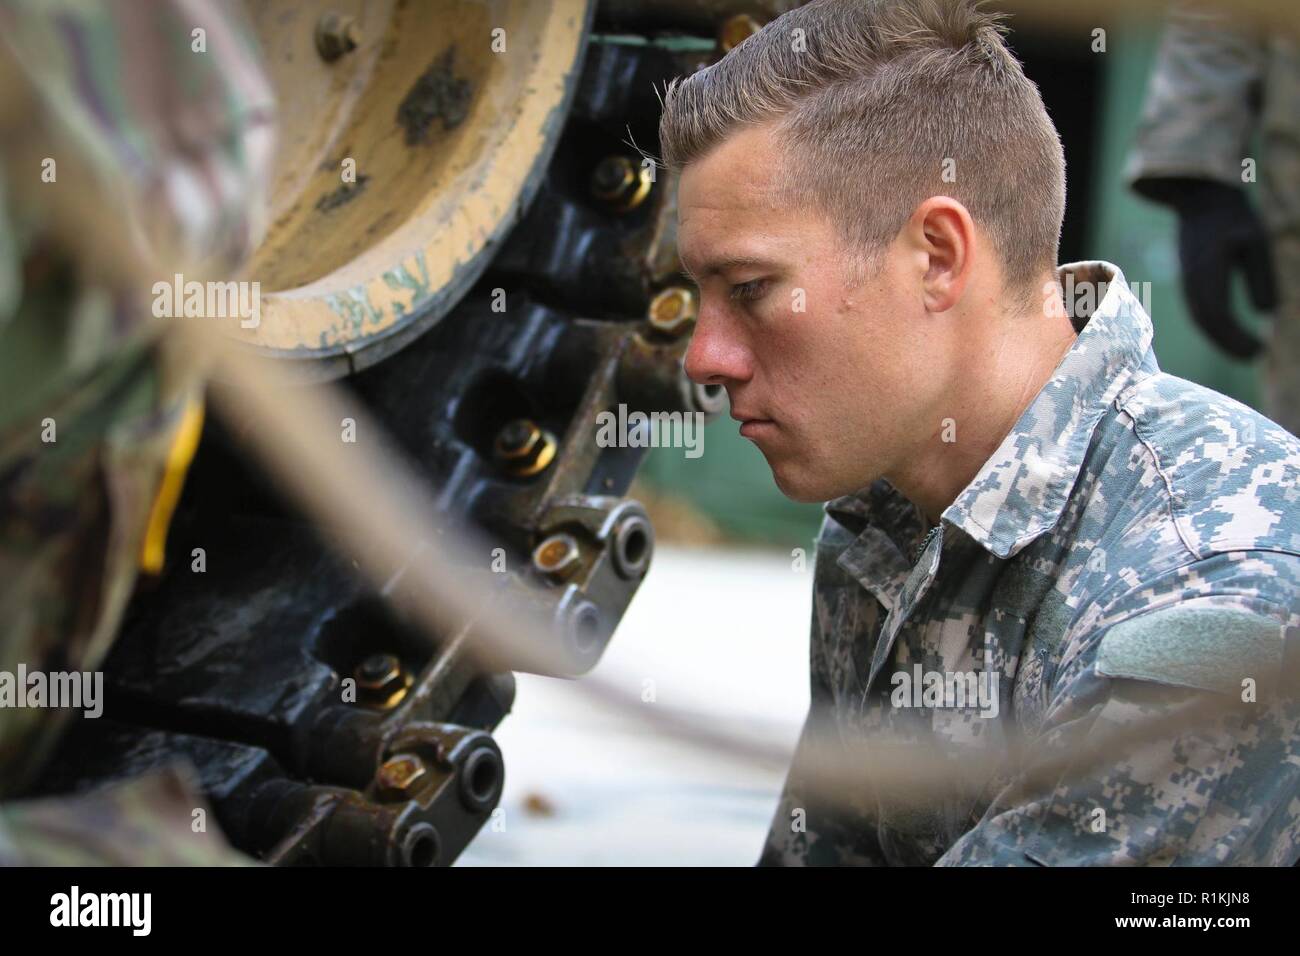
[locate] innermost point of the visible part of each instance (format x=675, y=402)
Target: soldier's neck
x=988, y=397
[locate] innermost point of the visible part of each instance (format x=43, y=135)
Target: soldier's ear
x=941, y=234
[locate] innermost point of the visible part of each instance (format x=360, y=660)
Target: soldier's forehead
x=743, y=172
x=732, y=228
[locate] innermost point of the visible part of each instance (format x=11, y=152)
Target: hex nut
x=672, y=310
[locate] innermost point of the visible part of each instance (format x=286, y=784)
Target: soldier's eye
x=749, y=291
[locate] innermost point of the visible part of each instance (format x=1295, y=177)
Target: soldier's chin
x=796, y=483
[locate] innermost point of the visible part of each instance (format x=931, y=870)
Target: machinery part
x=400, y=773
x=420, y=846
x=402, y=165
x=336, y=35
x=585, y=629
x=557, y=557
x=672, y=311
x=523, y=448
x=382, y=680
x=323, y=729
x=636, y=254
x=649, y=382
x=614, y=540
x=691, y=16
x=735, y=30
x=621, y=184
x=632, y=545
x=481, y=779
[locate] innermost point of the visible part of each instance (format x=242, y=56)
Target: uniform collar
x=1022, y=489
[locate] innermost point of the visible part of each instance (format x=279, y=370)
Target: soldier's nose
x=713, y=358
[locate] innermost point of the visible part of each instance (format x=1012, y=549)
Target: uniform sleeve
x=1202, y=102
x=154, y=820
x=1139, y=765
x=807, y=828
x=168, y=154
x=166, y=148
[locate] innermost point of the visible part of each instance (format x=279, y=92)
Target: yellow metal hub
x=403, y=160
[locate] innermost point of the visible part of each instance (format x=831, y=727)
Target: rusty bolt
x=558, y=556
x=377, y=670
x=518, y=439
x=400, y=772
x=735, y=29
x=672, y=310
x=382, y=680
x=614, y=175
x=524, y=448
x=336, y=34
x=620, y=184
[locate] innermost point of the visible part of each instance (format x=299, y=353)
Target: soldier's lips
x=756, y=427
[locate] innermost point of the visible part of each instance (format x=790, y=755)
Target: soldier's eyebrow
x=724, y=264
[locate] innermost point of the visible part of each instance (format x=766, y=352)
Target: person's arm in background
x=126, y=155
x=1202, y=107
x=808, y=828
x=154, y=820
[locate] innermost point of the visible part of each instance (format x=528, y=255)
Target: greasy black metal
x=248, y=670
x=577, y=250
x=692, y=16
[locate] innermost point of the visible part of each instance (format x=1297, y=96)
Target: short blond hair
x=883, y=103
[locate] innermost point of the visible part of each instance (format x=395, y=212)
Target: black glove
x=1219, y=231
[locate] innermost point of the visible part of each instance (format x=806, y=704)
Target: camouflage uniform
x=1217, y=85
x=160, y=157
x=1129, y=555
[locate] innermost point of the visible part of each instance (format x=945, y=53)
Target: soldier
x=1038, y=550
x=1217, y=85
x=134, y=144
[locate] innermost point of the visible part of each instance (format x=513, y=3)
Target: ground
x=723, y=634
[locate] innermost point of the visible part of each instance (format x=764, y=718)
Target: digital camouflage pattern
x=1223, y=91
x=160, y=157
x=154, y=820
x=1129, y=556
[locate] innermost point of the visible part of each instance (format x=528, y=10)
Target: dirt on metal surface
x=437, y=95
x=451, y=137
x=343, y=195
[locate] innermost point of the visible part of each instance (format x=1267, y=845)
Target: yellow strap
x=184, y=443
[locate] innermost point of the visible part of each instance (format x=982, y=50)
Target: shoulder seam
x=1169, y=485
